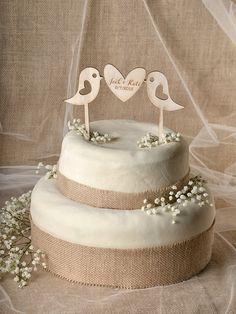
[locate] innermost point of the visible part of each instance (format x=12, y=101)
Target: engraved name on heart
x=124, y=87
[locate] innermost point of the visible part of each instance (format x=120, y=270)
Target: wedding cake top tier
x=120, y=165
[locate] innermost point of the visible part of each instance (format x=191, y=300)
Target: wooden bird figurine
x=89, y=85
x=157, y=82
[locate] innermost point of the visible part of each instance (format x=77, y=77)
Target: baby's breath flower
x=150, y=140
x=51, y=173
x=176, y=199
x=157, y=201
x=15, y=241
x=154, y=210
x=95, y=136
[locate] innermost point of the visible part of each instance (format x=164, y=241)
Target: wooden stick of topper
x=158, y=93
x=89, y=85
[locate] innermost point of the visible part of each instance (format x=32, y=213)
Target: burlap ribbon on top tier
x=110, y=199
x=125, y=268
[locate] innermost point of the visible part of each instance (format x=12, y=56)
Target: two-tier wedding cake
x=123, y=208
x=121, y=213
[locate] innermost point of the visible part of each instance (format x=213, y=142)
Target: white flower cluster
x=100, y=138
x=51, y=170
x=77, y=126
x=17, y=255
x=95, y=136
x=151, y=140
x=194, y=191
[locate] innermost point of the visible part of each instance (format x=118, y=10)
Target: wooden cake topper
x=124, y=88
x=89, y=85
x=158, y=93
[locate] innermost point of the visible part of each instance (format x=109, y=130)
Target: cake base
x=125, y=268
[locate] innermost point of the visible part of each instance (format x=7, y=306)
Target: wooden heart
x=160, y=94
x=124, y=88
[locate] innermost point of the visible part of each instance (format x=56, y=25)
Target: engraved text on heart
x=124, y=87
x=122, y=84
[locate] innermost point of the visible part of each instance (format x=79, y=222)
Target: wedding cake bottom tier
x=119, y=248
x=125, y=268
x=78, y=223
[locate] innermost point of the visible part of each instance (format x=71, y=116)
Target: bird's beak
x=101, y=77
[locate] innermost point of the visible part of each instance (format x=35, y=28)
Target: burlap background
x=37, y=39
x=44, y=44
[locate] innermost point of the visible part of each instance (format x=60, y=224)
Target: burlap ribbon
x=109, y=199
x=125, y=268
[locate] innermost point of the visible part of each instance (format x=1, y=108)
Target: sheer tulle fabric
x=212, y=151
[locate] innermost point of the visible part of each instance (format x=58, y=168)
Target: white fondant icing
x=121, y=165
x=99, y=227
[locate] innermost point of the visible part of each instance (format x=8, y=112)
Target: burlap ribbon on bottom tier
x=110, y=199
x=125, y=268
